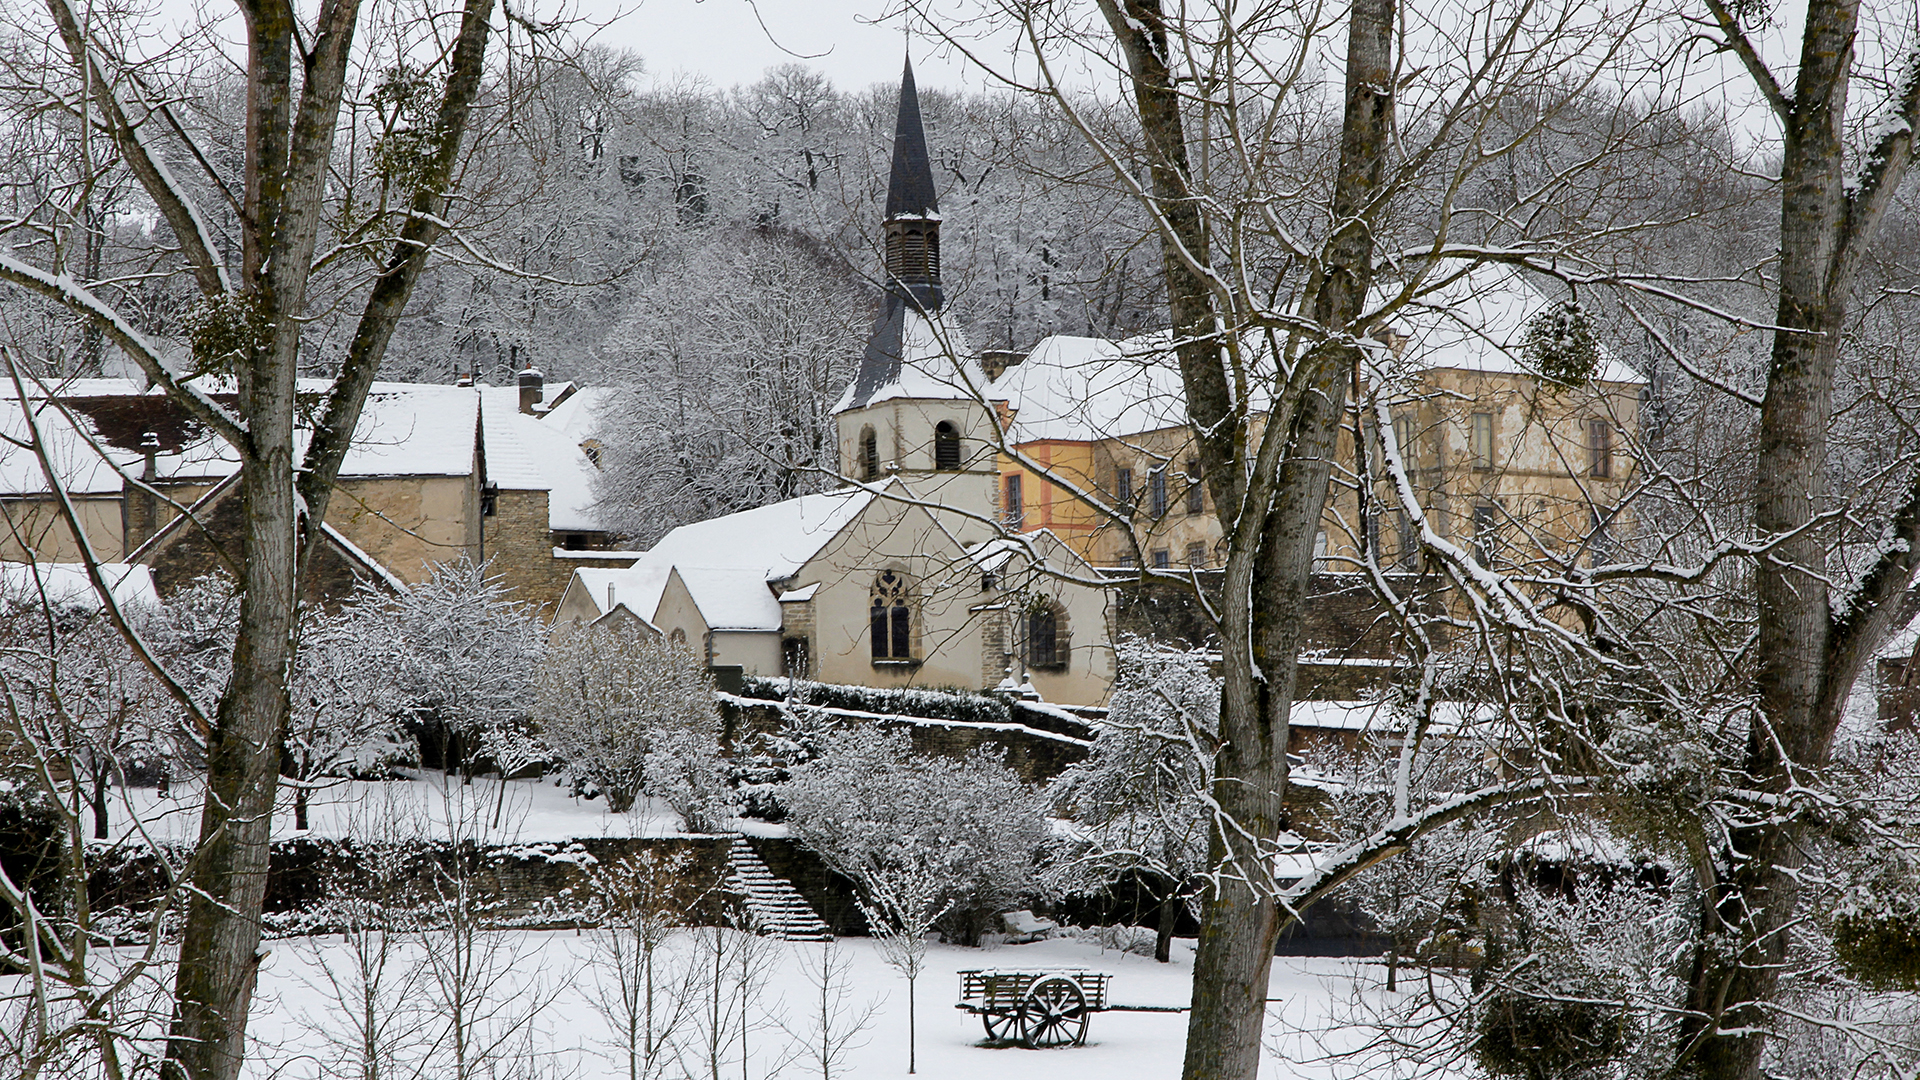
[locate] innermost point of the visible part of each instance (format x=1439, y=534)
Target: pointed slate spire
x=913, y=209
x=910, y=188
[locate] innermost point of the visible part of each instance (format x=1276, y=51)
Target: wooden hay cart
x=1039, y=1009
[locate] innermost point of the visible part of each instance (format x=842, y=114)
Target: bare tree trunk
x=1808, y=657
x=1169, y=921
x=1270, y=552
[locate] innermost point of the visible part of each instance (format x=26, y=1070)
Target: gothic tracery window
x=891, y=618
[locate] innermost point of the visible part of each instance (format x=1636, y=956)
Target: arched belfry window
x=891, y=618
x=869, y=465
x=946, y=446
x=1048, y=644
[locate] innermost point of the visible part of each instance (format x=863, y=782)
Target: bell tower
x=917, y=409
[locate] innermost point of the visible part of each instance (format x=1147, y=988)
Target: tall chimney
x=532, y=390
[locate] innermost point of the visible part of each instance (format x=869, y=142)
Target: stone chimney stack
x=532, y=390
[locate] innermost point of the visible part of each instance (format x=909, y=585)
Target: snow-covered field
x=295, y=1014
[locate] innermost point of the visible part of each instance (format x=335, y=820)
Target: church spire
x=913, y=210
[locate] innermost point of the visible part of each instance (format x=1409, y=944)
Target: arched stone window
x=678, y=639
x=869, y=465
x=890, y=619
x=946, y=446
x=1048, y=642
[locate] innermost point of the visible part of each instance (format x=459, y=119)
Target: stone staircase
x=774, y=905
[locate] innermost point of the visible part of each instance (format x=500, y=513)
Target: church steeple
x=913, y=210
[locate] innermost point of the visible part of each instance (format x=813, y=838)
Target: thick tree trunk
x=220, y=941
x=1268, y=571
x=1807, y=657
x=100, y=824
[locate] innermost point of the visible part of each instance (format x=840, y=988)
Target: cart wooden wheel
x=1054, y=1013
x=998, y=1024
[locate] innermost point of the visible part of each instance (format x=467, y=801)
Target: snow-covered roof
x=914, y=354
x=405, y=429
x=1082, y=388
x=66, y=585
x=99, y=427
x=1477, y=321
x=411, y=429
x=731, y=599
x=532, y=453
x=728, y=561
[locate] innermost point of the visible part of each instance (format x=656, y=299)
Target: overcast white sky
x=850, y=41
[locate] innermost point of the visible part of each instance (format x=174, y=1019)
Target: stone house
x=436, y=473
x=1502, y=461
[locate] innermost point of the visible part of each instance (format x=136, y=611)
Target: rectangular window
x=1403, y=434
x=1014, y=510
x=1157, y=492
x=1409, y=540
x=1320, y=562
x=1197, y=555
x=1480, y=440
x=1161, y=559
x=1486, y=540
x=1123, y=487
x=1600, y=448
x=1196, y=494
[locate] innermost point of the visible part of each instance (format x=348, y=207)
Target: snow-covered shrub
x=759, y=774
x=684, y=769
x=607, y=695
x=1580, y=974
x=870, y=807
x=348, y=707
x=471, y=653
x=1139, y=798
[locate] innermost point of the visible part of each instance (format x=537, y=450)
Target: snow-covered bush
x=348, y=705
x=758, y=775
x=684, y=769
x=608, y=695
x=1139, y=798
x=870, y=806
x=472, y=653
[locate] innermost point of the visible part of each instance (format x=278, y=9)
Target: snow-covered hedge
x=925, y=704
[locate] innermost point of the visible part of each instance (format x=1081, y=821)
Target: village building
x=435, y=474
x=1504, y=462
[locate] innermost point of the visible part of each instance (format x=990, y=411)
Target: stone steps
x=774, y=905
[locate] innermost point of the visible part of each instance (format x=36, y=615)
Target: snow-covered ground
x=428, y=805
x=294, y=1015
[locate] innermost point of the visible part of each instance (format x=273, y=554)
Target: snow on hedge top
x=726, y=562
x=1477, y=321
x=66, y=585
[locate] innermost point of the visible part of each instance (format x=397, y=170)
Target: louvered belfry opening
x=913, y=252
